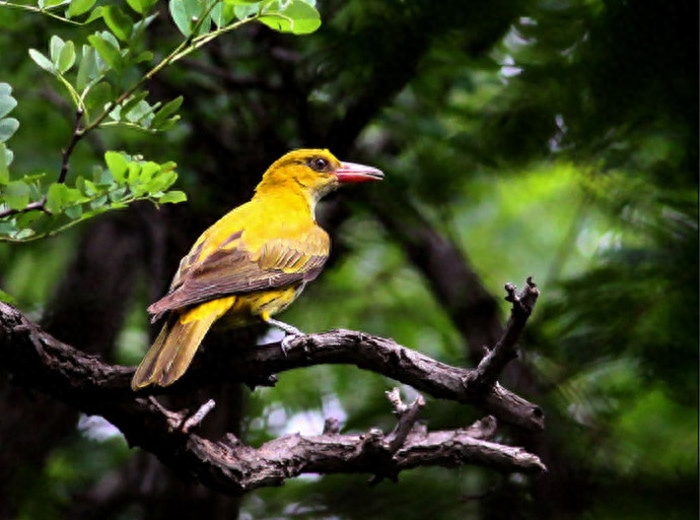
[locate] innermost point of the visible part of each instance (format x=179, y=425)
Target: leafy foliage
x=92, y=72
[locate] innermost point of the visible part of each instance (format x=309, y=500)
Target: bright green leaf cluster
x=138, y=113
x=93, y=73
x=196, y=17
x=8, y=126
x=59, y=206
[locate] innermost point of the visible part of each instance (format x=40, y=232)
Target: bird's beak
x=352, y=172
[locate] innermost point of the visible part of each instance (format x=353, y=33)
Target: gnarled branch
x=36, y=360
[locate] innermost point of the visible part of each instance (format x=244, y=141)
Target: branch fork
x=40, y=362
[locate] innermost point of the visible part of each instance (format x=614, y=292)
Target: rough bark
x=35, y=360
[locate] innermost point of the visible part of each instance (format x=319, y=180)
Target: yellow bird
x=251, y=264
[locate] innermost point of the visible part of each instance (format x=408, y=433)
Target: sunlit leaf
x=42, y=61
x=8, y=126
x=107, y=50
x=185, y=13
x=55, y=46
x=173, y=197
x=118, y=22
x=87, y=70
x=117, y=164
x=7, y=103
x=222, y=14
x=55, y=197
x=16, y=194
x=66, y=58
x=4, y=163
x=95, y=14
x=294, y=16
x=78, y=7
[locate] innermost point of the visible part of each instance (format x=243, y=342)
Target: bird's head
x=315, y=172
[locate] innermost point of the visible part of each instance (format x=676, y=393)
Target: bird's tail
x=173, y=349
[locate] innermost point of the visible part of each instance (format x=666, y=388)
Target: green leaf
x=244, y=10
x=16, y=194
x=56, y=197
x=66, y=58
x=7, y=156
x=185, y=13
x=4, y=163
x=87, y=70
x=164, y=113
x=87, y=187
x=8, y=126
x=117, y=164
x=117, y=195
x=94, y=15
x=118, y=22
x=107, y=50
x=98, y=203
x=7, y=103
x=141, y=6
x=143, y=56
x=132, y=177
x=42, y=61
x=74, y=212
x=131, y=103
x=222, y=14
x=173, y=197
x=102, y=177
x=55, y=46
x=148, y=170
x=78, y=7
x=99, y=96
x=294, y=16
x=162, y=182
x=7, y=298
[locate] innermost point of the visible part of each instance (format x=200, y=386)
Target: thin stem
x=39, y=10
x=182, y=50
x=78, y=134
x=39, y=205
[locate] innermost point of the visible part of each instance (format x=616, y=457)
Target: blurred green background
x=552, y=138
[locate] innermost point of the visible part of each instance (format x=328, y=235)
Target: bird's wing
x=232, y=268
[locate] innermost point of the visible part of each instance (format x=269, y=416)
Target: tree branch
x=495, y=360
x=36, y=360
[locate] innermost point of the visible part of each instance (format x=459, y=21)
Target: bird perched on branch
x=251, y=264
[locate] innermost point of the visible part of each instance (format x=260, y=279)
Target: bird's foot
x=292, y=333
x=285, y=344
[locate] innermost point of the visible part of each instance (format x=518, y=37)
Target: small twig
x=495, y=360
x=484, y=428
x=408, y=415
x=196, y=418
x=78, y=134
x=39, y=205
x=331, y=426
x=173, y=419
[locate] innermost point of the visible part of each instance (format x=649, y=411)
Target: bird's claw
x=285, y=343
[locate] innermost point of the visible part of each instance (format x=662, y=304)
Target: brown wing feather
x=278, y=263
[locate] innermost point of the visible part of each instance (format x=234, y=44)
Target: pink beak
x=352, y=172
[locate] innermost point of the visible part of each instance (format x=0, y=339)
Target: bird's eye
x=319, y=164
